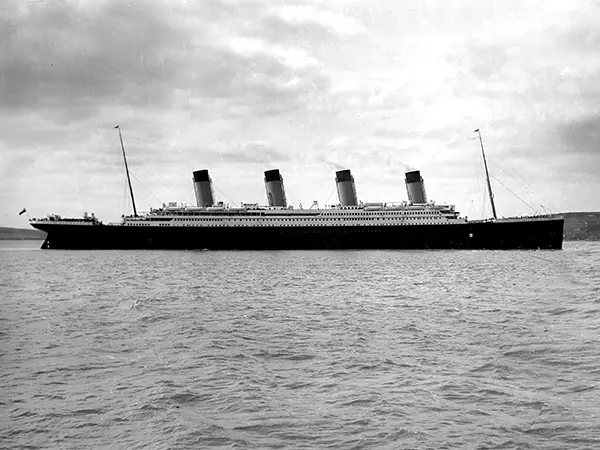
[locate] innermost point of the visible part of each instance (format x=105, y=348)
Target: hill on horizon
x=21, y=234
x=581, y=226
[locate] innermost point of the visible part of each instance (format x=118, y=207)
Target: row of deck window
x=304, y=220
x=276, y=220
x=294, y=220
x=263, y=224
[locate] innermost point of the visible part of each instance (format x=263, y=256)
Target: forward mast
x=135, y=214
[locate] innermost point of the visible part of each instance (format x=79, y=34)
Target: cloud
x=69, y=60
x=582, y=136
x=312, y=22
x=64, y=57
x=251, y=152
x=336, y=23
x=293, y=58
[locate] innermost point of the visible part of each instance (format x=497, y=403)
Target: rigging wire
x=171, y=188
x=508, y=170
x=474, y=187
x=508, y=189
x=476, y=169
x=146, y=187
x=332, y=191
x=506, y=167
x=148, y=163
x=122, y=205
x=484, y=202
x=477, y=187
x=223, y=195
x=145, y=164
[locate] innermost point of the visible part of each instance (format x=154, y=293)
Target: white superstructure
x=367, y=214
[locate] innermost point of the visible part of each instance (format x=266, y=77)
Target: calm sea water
x=299, y=349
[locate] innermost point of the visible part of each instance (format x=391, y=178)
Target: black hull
x=532, y=234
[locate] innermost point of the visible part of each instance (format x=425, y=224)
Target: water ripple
x=372, y=349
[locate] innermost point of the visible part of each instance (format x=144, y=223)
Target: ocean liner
x=412, y=224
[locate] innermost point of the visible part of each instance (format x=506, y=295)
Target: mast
x=487, y=174
x=127, y=172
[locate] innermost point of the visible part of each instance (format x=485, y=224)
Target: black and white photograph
x=299, y=224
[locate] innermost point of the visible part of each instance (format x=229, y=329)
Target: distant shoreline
x=18, y=239
x=21, y=239
x=21, y=234
x=579, y=226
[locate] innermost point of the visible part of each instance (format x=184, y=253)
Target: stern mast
x=487, y=174
x=127, y=172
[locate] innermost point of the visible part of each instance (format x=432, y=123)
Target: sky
x=308, y=87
